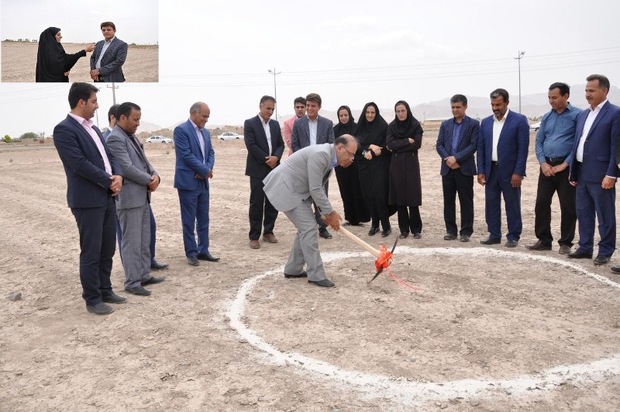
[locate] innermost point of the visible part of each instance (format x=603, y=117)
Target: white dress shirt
x=498, y=125
x=586, y=129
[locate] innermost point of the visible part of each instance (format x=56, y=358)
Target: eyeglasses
x=351, y=154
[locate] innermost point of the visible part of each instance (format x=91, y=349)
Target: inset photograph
x=46, y=41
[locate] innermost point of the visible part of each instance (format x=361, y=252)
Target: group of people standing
x=109, y=186
x=378, y=174
x=577, y=152
x=110, y=180
x=106, y=62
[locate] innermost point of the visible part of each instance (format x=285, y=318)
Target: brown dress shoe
x=564, y=250
x=270, y=238
x=539, y=245
x=254, y=244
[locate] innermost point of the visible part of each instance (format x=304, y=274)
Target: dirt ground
x=19, y=61
x=483, y=329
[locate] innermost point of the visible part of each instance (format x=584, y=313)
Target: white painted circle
x=410, y=392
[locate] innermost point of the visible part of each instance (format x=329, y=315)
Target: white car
x=230, y=136
x=535, y=126
x=159, y=139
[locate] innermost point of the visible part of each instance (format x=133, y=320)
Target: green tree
x=7, y=138
x=29, y=135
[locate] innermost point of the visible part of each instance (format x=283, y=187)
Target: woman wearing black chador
x=404, y=139
x=355, y=209
x=373, y=165
x=53, y=63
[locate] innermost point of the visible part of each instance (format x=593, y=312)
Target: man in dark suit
x=594, y=170
x=310, y=130
x=93, y=179
x=263, y=140
x=502, y=155
x=106, y=62
x=133, y=207
x=456, y=144
x=193, y=169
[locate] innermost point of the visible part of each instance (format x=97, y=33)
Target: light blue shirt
x=556, y=135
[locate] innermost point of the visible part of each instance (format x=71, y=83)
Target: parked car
x=535, y=126
x=230, y=136
x=159, y=139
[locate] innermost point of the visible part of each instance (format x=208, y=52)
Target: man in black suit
x=263, y=139
x=456, y=144
x=93, y=180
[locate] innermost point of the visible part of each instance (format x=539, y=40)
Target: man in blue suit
x=593, y=171
x=193, y=169
x=310, y=130
x=263, y=139
x=502, y=155
x=106, y=62
x=93, y=180
x=456, y=144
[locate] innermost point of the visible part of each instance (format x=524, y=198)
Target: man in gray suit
x=132, y=208
x=106, y=62
x=293, y=186
x=310, y=130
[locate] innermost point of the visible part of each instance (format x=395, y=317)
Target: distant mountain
x=532, y=106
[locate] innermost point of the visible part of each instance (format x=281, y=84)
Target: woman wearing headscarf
x=404, y=138
x=53, y=63
x=373, y=164
x=355, y=209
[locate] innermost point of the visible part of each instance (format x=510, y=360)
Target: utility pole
x=275, y=90
x=520, y=55
x=113, y=87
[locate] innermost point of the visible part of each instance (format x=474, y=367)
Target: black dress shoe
x=153, y=280
x=602, y=260
x=386, y=233
x=325, y=234
x=192, y=260
x=138, y=290
x=578, y=254
x=207, y=256
x=511, y=243
x=100, y=309
x=615, y=269
x=301, y=275
x=417, y=235
x=112, y=297
x=403, y=235
x=373, y=231
x=464, y=238
x=539, y=246
x=325, y=283
x=155, y=265
x=449, y=236
x=491, y=241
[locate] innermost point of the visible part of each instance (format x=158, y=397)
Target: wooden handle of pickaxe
x=359, y=241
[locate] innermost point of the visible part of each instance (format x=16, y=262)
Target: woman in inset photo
x=53, y=63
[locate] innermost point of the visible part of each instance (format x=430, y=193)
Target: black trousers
x=547, y=186
x=455, y=182
x=259, y=205
x=409, y=219
x=97, y=228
